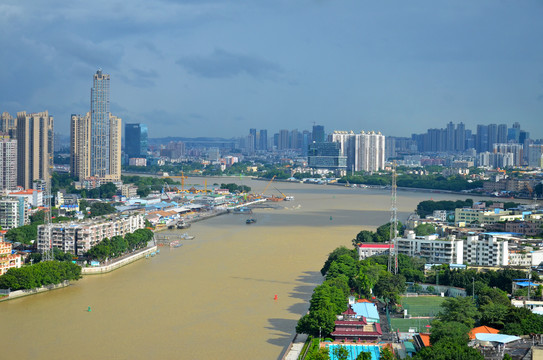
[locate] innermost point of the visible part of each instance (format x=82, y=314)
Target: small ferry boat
x=250, y=221
x=186, y=236
x=242, y=210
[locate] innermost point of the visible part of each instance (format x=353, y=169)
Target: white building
x=78, y=238
x=13, y=213
x=487, y=249
x=8, y=164
x=364, y=151
x=366, y=250
x=431, y=248
x=33, y=197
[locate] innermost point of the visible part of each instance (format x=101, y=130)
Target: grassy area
x=403, y=325
x=422, y=305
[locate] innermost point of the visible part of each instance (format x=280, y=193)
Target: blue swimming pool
x=354, y=350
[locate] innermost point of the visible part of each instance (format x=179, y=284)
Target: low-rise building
x=366, y=250
x=78, y=237
x=7, y=259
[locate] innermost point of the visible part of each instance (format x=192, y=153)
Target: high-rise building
x=100, y=125
x=263, y=140
x=8, y=124
x=80, y=142
x=326, y=155
x=364, y=151
x=318, y=133
x=502, y=134
x=135, y=140
x=253, y=140
x=460, y=137
x=283, y=140
x=34, y=147
x=481, y=138
x=95, y=143
x=8, y=164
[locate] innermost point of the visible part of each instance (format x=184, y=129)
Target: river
x=212, y=298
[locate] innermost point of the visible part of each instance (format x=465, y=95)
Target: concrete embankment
x=118, y=263
x=20, y=293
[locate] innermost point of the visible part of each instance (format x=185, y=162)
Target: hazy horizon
x=217, y=68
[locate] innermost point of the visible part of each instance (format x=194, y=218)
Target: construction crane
x=284, y=196
x=267, y=186
x=181, y=177
x=164, y=187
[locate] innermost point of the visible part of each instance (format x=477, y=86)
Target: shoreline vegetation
x=486, y=302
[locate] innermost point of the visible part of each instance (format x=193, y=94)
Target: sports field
x=422, y=305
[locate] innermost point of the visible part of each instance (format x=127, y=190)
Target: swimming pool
x=354, y=350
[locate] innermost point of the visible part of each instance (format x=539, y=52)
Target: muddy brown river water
x=212, y=298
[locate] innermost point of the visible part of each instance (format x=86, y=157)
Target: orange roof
x=425, y=339
x=482, y=330
x=24, y=192
x=363, y=301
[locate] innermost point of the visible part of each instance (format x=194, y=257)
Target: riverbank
x=26, y=292
x=118, y=263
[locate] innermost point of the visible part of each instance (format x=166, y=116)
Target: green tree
x=364, y=355
x=389, y=287
x=386, y=354
x=341, y=353
x=450, y=331
x=448, y=351
x=460, y=309
x=342, y=250
x=494, y=314
x=425, y=229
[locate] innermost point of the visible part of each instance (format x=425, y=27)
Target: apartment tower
x=34, y=147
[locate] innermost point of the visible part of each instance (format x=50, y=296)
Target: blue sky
x=217, y=68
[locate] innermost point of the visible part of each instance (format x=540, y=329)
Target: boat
x=289, y=198
x=250, y=221
x=186, y=236
x=242, y=210
x=183, y=225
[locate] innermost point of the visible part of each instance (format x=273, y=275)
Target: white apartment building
x=78, y=237
x=34, y=197
x=525, y=258
x=464, y=216
x=364, y=151
x=366, y=250
x=487, y=249
x=13, y=212
x=431, y=248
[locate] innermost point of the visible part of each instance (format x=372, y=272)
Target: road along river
x=212, y=298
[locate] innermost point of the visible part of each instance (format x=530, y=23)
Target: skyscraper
x=364, y=151
x=80, y=141
x=254, y=144
x=34, y=147
x=95, y=143
x=8, y=164
x=135, y=140
x=318, y=133
x=263, y=140
x=100, y=125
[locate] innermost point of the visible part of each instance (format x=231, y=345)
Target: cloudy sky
x=217, y=68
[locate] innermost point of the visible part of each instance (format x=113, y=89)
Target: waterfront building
x=136, y=140
x=352, y=327
x=326, y=155
x=366, y=250
x=8, y=164
x=364, y=151
x=100, y=125
x=79, y=237
x=13, y=212
x=432, y=248
x=7, y=259
x=34, y=147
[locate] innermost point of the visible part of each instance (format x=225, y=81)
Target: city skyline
x=398, y=68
